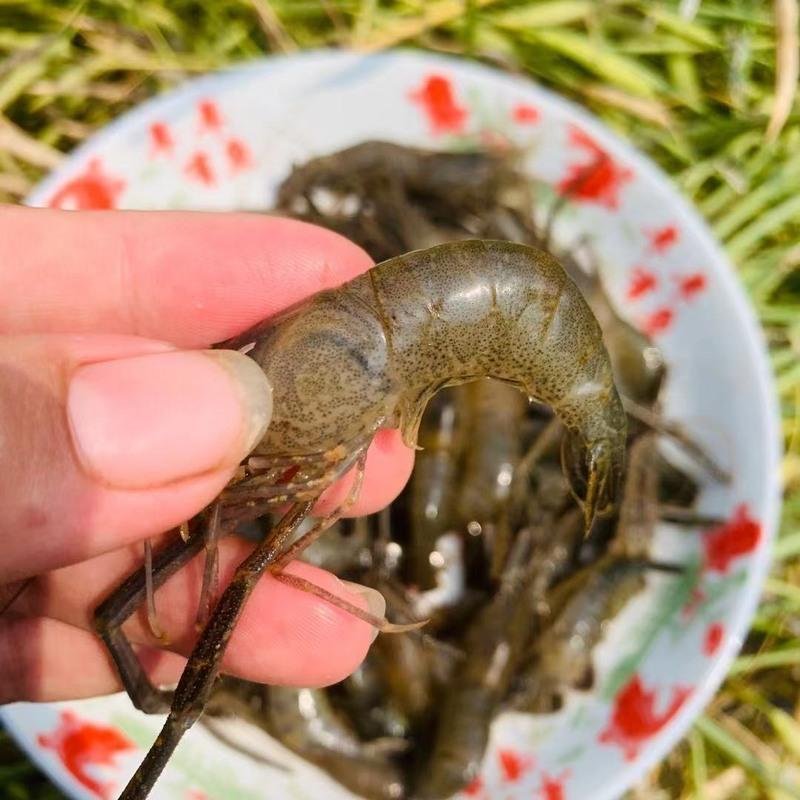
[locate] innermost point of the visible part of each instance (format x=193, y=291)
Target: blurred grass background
x=707, y=89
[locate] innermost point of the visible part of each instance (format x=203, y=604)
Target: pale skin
x=113, y=429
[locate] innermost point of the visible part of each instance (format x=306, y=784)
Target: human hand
x=115, y=426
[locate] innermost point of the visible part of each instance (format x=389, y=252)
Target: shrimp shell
x=374, y=351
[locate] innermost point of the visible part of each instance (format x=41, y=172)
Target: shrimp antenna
x=670, y=567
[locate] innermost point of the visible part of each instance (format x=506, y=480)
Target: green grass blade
x=544, y=15
x=601, y=60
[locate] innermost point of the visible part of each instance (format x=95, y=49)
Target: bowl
x=225, y=142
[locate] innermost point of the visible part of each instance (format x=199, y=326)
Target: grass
x=705, y=87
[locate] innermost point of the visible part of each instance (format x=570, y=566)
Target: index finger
x=190, y=278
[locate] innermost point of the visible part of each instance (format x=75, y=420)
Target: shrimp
x=367, y=355
x=638, y=511
x=494, y=645
x=304, y=721
x=434, y=482
x=460, y=179
x=391, y=198
x=639, y=368
x=379, y=347
x=495, y=413
x=581, y=608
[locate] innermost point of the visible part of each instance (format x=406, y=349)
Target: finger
x=95, y=455
x=111, y=439
x=44, y=660
x=188, y=278
x=285, y=636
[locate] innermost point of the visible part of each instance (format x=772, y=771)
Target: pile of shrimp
x=488, y=542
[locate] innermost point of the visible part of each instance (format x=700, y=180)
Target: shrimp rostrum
x=370, y=354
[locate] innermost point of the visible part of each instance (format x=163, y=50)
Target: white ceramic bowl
x=224, y=142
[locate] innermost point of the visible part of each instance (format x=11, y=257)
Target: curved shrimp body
x=562, y=655
x=494, y=645
x=434, y=483
x=496, y=414
x=304, y=721
x=639, y=367
x=467, y=176
x=566, y=646
x=375, y=350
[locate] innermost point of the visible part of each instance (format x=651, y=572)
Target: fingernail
x=376, y=603
x=150, y=420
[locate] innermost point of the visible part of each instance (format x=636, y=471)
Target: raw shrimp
x=581, y=606
x=638, y=511
x=434, y=483
x=495, y=416
x=371, y=354
x=391, y=199
x=639, y=368
x=305, y=722
x=494, y=645
x=461, y=179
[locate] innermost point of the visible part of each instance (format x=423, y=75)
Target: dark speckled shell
x=329, y=366
x=376, y=349
x=501, y=310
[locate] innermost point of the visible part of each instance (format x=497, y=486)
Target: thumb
x=147, y=421
x=110, y=439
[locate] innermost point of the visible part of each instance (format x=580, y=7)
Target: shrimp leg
x=150, y=591
x=678, y=515
x=203, y=666
x=679, y=435
x=211, y=570
x=109, y=616
x=123, y=602
x=307, y=539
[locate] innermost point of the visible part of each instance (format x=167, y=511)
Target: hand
x=115, y=426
